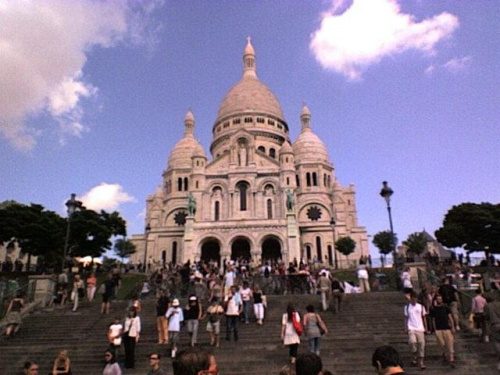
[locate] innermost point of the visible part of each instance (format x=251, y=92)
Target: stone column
x=293, y=238
x=44, y=288
x=187, y=241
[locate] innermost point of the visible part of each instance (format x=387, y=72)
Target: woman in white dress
x=289, y=335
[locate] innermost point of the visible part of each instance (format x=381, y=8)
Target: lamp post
x=386, y=193
x=332, y=223
x=72, y=204
x=147, y=230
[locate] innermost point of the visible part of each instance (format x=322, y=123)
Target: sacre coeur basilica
x=260, y=196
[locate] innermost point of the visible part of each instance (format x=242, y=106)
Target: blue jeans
x=231, y=325
x=246, y=311
x=315, y=345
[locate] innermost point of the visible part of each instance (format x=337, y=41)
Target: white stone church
x=259, y=196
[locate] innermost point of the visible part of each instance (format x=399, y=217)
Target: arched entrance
x=210, y=251
x=240, y=249
x=271, y=249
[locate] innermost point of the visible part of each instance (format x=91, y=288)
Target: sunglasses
x=155, y=358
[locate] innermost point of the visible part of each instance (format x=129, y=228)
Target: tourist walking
x=115, y=332
x=77, y=291
x=325, y=287
x=131, y=333
x=363, y=278
x=442, y=321
x=416, y=326
x=62, y=364
x=337, y=295
x=289, y=334
x=112, y=367
x=192, y=314
x=259, y=303
x=450, y=298
x=161, y=320
x=13, y=315
x=229, y=279
x=91, y=287
x=174, y=317
x=233, y=311
x=246, y=295
x=407, y=284
x=107, y=290
x=477, y=312
x=314, y=328
x=492, y=315
x=214, y=313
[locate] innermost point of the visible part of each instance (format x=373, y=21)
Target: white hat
x=175, y=302
x=193, y=298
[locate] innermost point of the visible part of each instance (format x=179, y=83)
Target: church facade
x=259, y=196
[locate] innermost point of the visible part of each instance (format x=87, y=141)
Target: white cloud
x=454, y=66
x=458, y=64
x=350, y=40
x=106, y=197
x=44, y=46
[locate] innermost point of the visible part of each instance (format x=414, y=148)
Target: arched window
x=324, y=180
x=197, y=184
x=216, y=211
x=243, y=187
x=269, y=209
x=329, y=180
x=262, y=149
x=297, y=180
x=330, y=255
x=272, y=153
x=308, y=252
x=174, y=252
x=308, y=179
x=286, y=159
x=319, y=253
x=315, y=179
x=179, y=184
x=288, y=181
x=186, y=187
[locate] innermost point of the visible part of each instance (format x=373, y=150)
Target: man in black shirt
x=161, y=320
x=450, y=299
x=444, y=327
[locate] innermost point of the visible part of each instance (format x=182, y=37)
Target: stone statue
x=191, y=204
x=289, y=200
x=242, y=154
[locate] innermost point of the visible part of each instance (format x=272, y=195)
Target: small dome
x=309, y=147
x=184, y=150
x=305, y=111
x=249, y=48
x=189, y=116
x=286, y=148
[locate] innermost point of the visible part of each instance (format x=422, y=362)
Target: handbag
x=296, y=325
x=322, y=331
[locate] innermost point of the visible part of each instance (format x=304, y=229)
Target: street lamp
x=147, y=230
x=72, y=204
x=386, y=193
x=332, y=223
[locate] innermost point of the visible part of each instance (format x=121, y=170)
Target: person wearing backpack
x=214, y=313
x=291, y=329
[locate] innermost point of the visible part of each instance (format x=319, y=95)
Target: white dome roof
x=309, y=147
x=250, y=95
x=187, y=147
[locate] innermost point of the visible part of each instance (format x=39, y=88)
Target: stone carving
x=191, y=204
x=289, y=200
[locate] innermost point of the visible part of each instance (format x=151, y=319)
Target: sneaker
x=486, y=338
x=173, y=353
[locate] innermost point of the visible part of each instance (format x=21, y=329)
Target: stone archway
x=240, y=249
x=210, y=251
x=271, y=249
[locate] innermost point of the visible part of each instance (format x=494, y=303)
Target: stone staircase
x=367, y=321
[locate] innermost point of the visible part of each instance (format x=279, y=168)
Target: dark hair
x=156, y=354
x=387, y=356
x=28, y=364
x=290, y=310
x=413, y=294
x=113, y=357
x=308, y=364
x=310, y=308
x=478, y=291
x=191, y=361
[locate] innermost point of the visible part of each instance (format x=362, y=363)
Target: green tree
x=473, y=226
x=416, y=243
x=345, y=245
x=385, y=242
x=38, y=232
x=124, y=248
x=91, y=232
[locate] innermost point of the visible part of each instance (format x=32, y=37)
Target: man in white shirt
x=174, y=317
x=233, y=310
x=229, y=279
x=416, y=326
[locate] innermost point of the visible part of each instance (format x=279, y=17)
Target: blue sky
x=94, y=93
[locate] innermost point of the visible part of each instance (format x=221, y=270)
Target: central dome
x=249, y=94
